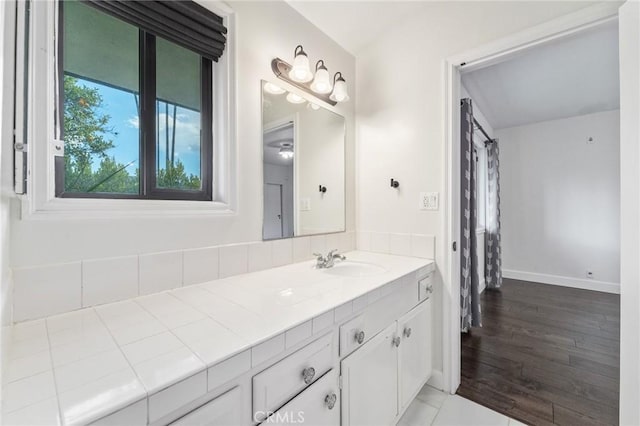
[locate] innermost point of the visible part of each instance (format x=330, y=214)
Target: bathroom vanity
x=347, y=345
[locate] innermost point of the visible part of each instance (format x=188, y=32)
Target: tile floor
x=433, y=407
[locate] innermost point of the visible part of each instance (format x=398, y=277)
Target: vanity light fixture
x=339, y=93
x=299, y=75
x=273, y=89
x=300, y=72
x=321, y=82
x=313, y=106
x=295, y=99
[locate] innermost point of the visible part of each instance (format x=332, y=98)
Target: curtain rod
x=486, y=135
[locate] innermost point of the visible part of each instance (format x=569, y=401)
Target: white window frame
x=40, y=200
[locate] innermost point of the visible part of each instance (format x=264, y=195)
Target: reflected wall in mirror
x=303, y=166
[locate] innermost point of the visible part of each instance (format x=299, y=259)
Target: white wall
x=560, y=200
x=319, y=157
x=400, y=111
x=264, y=30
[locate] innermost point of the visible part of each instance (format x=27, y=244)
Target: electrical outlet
x=428, y=201
x=590, y=274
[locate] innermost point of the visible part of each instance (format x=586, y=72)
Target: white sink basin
x=353, y=268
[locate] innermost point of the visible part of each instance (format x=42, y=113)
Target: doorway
x=481, y=58
x=272, y=211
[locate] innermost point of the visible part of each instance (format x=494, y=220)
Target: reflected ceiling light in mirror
x=313, y=106
x=273, y=89
x=286, y=151
x=339, y=93
x=295, y=99
x=321, y=81
x=300, y=71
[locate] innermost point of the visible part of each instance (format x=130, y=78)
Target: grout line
x=53, y=372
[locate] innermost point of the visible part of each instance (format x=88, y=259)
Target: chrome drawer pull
x=330, y=400
x=396, y=341
x=407, y=332
x=360, y=336
x=307, y=375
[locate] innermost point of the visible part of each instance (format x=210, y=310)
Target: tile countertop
x=77, y=367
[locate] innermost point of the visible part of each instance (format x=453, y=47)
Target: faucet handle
x=331, y=253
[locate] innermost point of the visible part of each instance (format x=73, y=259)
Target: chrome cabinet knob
x=359, y=336
x=308, y=374
x=330, y=400
x=430, y=288
x=396, y=341
x=407, y=332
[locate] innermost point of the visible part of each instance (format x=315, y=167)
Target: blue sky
x=120, y=105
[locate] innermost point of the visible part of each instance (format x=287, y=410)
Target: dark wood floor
x=546, y=355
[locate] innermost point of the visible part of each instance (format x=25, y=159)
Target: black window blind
x=183, y=22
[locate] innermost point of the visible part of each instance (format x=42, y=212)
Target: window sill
x=94, y=208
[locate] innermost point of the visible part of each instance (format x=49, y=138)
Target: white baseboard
x=436, y=380
x=483, y=285
x=586, y=284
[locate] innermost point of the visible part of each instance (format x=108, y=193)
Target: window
x=135, y=110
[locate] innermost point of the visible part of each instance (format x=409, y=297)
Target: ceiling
x=343, y=20
x=573, y=76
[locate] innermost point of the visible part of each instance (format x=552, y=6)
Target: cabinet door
x=225, y=410
x=414, y=328
x=370, y=382
x=318, y=405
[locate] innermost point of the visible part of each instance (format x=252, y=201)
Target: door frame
x=483, y=56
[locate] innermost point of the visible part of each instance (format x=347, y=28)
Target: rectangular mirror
x=303, y=166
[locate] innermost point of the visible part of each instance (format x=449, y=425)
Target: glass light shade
x=321, y=82
x=313, y=106
x=273, y=89
x=300, y=70
x=286, y=152
x=295, y=99
x=340, y=91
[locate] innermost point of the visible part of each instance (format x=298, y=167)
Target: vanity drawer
x=352, y=335
x=279, y=383
x=318, y=405
x=425, y=287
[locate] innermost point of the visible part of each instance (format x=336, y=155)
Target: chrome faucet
x=323, y=262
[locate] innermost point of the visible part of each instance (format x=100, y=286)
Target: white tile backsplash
x=233, y=260
x=160, y=271
x=415, y=245
x=109, y=280
x=302, y=249
x=282, y=252
x=423, y=246
x=260, y=256
x=380, y=242
x=200, y=265
x=93, y=282
x=400, y=244
x=46, y=290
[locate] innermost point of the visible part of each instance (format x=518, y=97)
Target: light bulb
x=286, y=152
x=321, y=82
x=300, y=70
x=313, y=106
x=339, y=93
x=273, y=89
x=295, y=99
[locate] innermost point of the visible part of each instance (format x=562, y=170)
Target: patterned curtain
x=493, y=268
x=469, y=282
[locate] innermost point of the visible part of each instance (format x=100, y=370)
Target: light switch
x=305, y=204
x=428, y=201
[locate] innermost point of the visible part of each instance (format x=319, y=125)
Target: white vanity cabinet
x=381, y=377
x=370, y=382
x=414, y=361
x=318, y=405
x=222, y=411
